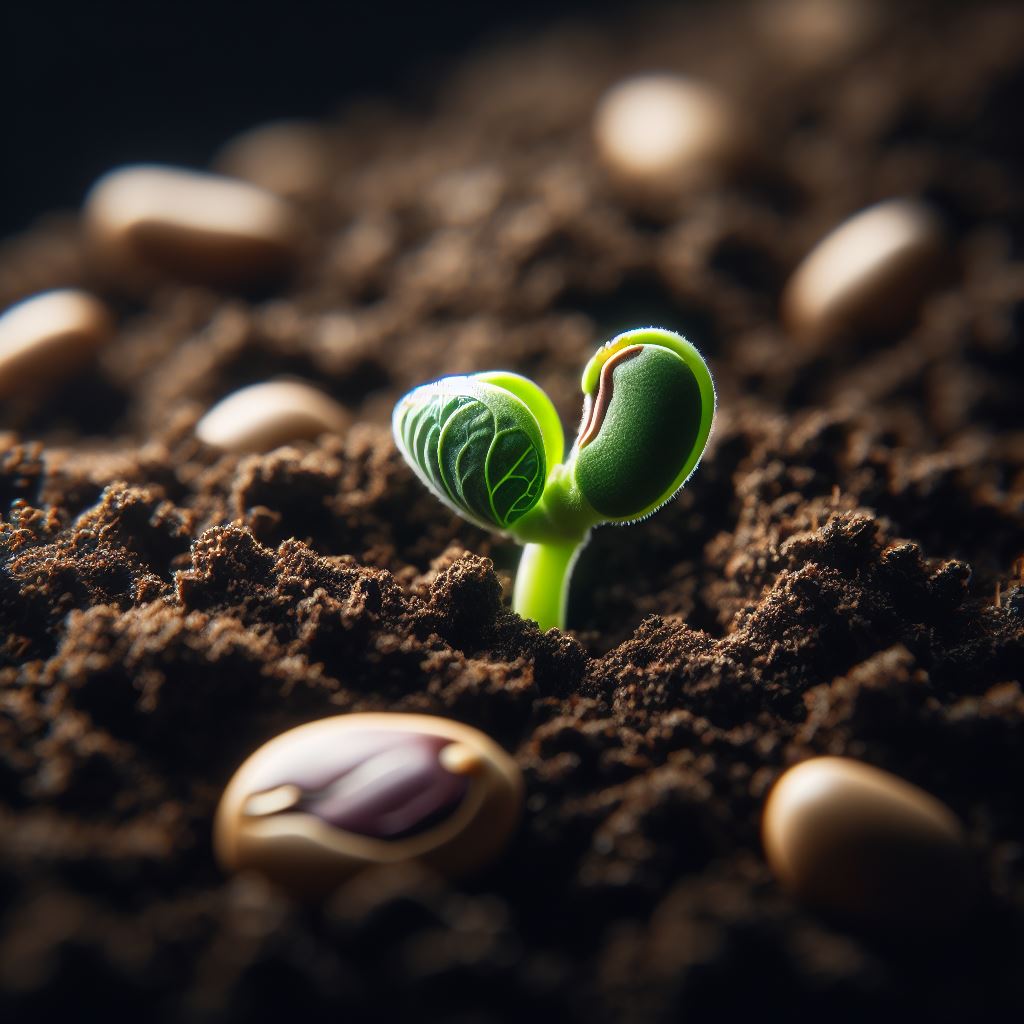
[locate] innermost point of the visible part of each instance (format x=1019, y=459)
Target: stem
x=542, y=582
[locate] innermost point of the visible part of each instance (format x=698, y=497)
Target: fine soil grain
x=841, y=576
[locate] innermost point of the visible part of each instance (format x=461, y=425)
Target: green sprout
x=490, y=446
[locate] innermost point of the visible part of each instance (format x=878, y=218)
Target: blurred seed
x=261, y=417
x=853, y=840
x=48, y=337
x=659, y=133
x=197, y=227
x=814, y=34
x=870, y=274
x=288, y=158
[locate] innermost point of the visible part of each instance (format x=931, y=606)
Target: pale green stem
x=542, y=582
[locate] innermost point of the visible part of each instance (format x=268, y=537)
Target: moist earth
x=842, y=575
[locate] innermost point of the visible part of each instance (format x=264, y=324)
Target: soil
x=838, y=577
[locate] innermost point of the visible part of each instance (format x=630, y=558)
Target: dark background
x=87, y=86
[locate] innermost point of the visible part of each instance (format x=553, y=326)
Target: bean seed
x=48, y=337
x=197, y=227
x=856, y=841
x=264, y=416
x=869, y=274
x=321, y=802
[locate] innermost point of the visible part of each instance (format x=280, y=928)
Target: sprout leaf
x=476, y=446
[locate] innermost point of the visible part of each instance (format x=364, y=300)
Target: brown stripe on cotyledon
x=604, y=394
x=588, y=414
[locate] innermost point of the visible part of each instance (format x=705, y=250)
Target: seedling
x=490, y=446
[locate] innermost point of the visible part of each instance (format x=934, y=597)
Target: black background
x=86, y=86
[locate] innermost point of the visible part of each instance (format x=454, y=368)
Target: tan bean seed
x=197, y=227
x=847, y=838
x=261, y=417
x=48, y=337
x=288, y=158
x=870, y=273
x=660, y=133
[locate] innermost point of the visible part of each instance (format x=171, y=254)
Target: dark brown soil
x=838, y=577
